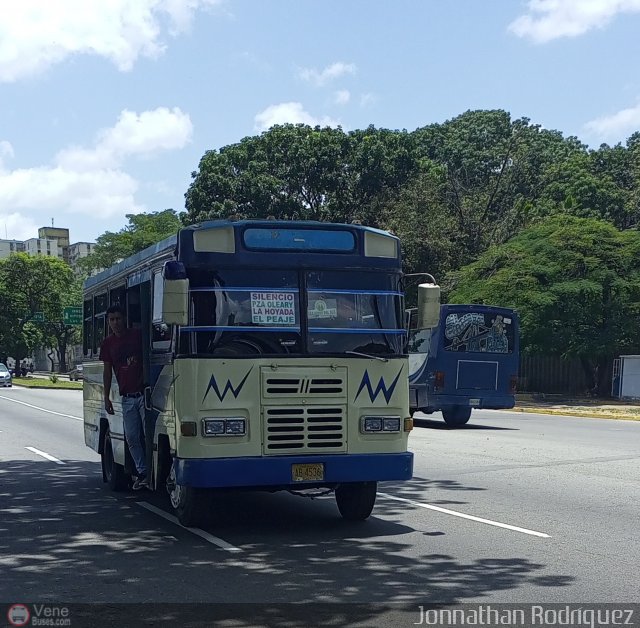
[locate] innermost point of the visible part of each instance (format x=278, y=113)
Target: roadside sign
x=72, y=316
x=38, y=317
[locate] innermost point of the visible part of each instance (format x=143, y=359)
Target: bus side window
x=117, y=296
x=161, y=337
x=87, y=331
x=99, y=320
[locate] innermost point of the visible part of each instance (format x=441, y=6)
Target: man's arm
x=107, y=376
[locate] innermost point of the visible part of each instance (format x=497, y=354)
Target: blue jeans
x=133, y=418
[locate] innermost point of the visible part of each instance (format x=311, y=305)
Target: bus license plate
x=307, y=472
x=474, y=402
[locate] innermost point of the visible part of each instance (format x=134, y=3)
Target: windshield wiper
x=366, y=355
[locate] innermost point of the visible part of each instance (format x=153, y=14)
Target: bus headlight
x=236, y=427
x=233, y=426
x=371, y=424
x=213, y=427
x=388, y=424
x=391, y=424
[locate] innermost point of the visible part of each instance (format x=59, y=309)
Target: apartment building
x=7, y=247
x=52, y=242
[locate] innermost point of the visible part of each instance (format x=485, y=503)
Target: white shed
x=629, y=374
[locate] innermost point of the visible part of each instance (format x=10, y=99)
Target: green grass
x=35, y=382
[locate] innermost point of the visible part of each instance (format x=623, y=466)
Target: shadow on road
x=63, y=536
x=436, y=424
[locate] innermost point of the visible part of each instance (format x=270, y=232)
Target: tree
x=300, y=172
x=142, y=231
x=493, y=169
x=575, y=283
x=56, y=333
x=29, y=285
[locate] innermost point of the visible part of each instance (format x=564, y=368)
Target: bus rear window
x=483, y=332
x=299, y=240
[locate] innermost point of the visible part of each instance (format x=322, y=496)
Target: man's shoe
x=140, y=483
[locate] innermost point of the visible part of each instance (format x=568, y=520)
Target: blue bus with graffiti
x=275, y=358
x=469, y=360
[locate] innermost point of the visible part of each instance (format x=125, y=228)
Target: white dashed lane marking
x=214, y=540
x=462, y=515
x=44, y=455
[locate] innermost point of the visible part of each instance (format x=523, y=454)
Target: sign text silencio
x=273, y=308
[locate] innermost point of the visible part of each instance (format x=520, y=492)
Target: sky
x=107, y=106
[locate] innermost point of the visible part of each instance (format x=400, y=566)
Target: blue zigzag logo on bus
x=387, y=393
x=213, y=384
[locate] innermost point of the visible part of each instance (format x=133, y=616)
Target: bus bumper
x=492, y=402
x=278, y=471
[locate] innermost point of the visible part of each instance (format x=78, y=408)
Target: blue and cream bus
x=275, y=358
x=469, y=360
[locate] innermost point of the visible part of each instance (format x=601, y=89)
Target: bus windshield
x=483, y=332
x=269, y=316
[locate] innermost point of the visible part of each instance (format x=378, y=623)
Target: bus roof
x=164, y=248
x=477, y=307
x=373, y=247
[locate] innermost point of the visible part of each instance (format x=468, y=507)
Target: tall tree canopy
x=450, y=190
x=299, y=172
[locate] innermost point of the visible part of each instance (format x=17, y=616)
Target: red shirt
x=125, y=353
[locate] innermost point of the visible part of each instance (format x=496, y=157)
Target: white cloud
x=330, y=73
x=616, y=127
x=36, y=34
x=342, y=97
x=289, y=112
x=16, y=226
x=92, y=181
x=551, y=19
x=133, y=134
x=100, y=193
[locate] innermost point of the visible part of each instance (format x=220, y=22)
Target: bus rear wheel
x=190, y=504
x=356, y=499
x=112, y=472
x=455, y=416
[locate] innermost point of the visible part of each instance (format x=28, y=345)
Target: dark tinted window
x=238, y=313
x=349, y=312
x=299, y=239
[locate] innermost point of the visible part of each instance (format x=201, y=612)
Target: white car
x=5, y=376
x=76, y=373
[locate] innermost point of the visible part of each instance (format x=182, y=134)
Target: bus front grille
x=312, y=429
x=313, y=383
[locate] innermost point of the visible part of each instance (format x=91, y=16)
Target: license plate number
x=308, y=472
x=474, y=402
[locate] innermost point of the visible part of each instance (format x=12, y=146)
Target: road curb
x=578, y=413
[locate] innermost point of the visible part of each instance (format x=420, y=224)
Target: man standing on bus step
x=122, y=352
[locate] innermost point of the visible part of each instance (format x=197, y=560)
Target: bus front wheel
x=356, y=500
x=189, y=503
x=112, y=472
x=455, y=416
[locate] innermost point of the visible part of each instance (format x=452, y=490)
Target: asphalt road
x=513, y=508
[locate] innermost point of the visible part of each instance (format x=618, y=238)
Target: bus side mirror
x=428, y=314
x=175, y=302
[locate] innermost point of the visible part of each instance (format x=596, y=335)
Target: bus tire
x=455, y=416
x=112, y=472
x=356, y=499
x=191, y=504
